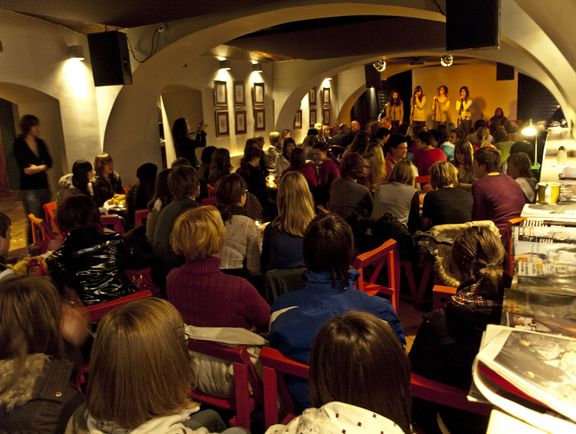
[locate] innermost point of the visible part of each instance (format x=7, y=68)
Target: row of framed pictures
x=325, y=96
x=223, y=127
x=313, y=118
x=221, y=94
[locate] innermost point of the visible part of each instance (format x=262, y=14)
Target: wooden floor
x=13, y=207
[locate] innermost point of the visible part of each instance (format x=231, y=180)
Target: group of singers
x=394, y=108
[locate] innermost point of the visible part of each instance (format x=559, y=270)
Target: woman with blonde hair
x=445, y=204
x=36, y=388
x=140, y=374
x=204, y=295
x=284, y=236
x=359, y=380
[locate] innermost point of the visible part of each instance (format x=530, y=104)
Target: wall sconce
x=76, y=52
x=257, y=67
x=447, y=60
x=379, y=65
x=225, y=64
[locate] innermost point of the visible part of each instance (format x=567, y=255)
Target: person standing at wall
x=34, y=160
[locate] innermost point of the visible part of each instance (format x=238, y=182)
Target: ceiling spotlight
x=76, y=52
x=225, y=64
x=447, y=60
x=257, y=67
x=379, y=65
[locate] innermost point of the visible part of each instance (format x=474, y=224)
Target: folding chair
x=112, y=221
x=139, y=217
x=386, y=254
x=441, y=294
x=39, y=235
x=50, y=217
x=247, y=385
x=97, y=311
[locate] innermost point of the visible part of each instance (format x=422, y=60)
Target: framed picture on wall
x=239, y=94
x=222, y=128
x=240, y=121
x=312, y=117
x=259, y=119
x=326, y=116
x=258, y=94
x=220, y=94
x=312, y=96
x=298, y=120
x=325, y=95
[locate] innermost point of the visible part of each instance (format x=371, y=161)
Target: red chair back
x=424, y=179
x=50, y=217
x=97, y=311
x=245, y=380
x=139, y=217
x=112, y=221
x=209, y=201
x=275, y=366
x=386, y=254
x=39, y=235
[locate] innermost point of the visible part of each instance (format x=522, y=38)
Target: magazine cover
x=541, y=366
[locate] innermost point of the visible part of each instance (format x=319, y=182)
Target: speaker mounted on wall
x=372, y=76
x=110, y=58
x=504, y=72
x=472, y=24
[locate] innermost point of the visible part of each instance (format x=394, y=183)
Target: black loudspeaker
x=373, y=78
x=110, y=58
x=504, y=72
x=472, y=24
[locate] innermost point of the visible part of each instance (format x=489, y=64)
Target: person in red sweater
x=204, y=295
x=427, y=152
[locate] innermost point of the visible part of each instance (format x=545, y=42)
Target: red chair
x=424, y=179
x=274, y=363
x=386, y=254
x=112, y=221
x=40, y=237
x=245, y=380
x=139, y=217
x=441, y=294
x=50, y=217
x=209, y=201
x=97, y=311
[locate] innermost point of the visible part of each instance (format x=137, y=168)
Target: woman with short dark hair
x=76, y=183
x=89, y=262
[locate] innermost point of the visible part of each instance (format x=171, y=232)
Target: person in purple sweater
x=204, y=295
x=497, y=196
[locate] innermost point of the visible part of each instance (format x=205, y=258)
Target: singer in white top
x=463, y=109
x=440, y=107
x=417, y=104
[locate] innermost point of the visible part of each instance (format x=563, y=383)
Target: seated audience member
x=106, y=183
x=282, y=246
x=76, y=183
x=519, y=168
x=376, y=165
x=497, y=196
x=329, y=291
x=427, y=152
x=274, y=150
x=399, y=197
x=298, y=164
x=5, y=237
x=374, y=393
x=219, y=166
x=449, y=338
x=89, y=262
x=327, y=171
x=343, y=138
x=258, y=143
x=283, y=159
x=159, y=200
x=204, y=169
x=140, y=375
x=445, y=203
x=37, y=393
x=348, y=198
x=204, y=295
x=396, y=149
x=142, y=192
x=241, y=252
x=498, y=120
x=449, y=145
x=184, y=187
x=463, y=158
x=253, y=176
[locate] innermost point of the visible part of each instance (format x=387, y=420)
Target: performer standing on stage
x=440, y=107
x=463, y=109
x=417, y=112
x=394, y=109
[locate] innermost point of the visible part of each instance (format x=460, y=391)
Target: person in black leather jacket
x=89, y=262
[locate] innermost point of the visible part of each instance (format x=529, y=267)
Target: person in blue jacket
x=298, y=315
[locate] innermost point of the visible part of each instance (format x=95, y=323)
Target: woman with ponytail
x=449, y=338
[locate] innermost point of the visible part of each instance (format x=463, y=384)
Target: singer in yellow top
x=394, y=109
x=417, y=104
x=463, y=109
x=440, y=107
